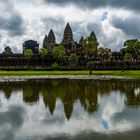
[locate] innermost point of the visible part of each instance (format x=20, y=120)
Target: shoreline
x=82, y=77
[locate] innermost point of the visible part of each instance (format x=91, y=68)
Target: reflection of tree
x=30, y=94
x=71, y=91
x=8, y=91
x=133, y=98
x=88, y=96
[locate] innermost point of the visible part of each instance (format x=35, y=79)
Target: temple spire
x=81, y=42
x=49, y=41
x=68, y=35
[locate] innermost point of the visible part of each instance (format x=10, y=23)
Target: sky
x=113, y=21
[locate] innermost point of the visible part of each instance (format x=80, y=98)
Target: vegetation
x=132, y=47
x=31, y=73
x=91, y=65
x=43, y=53
x=90, y=45
x=28, y=54
x=55, y=66
x=59, y=53
x=128, y=56
x=73, y=59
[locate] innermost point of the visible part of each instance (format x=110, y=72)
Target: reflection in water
x=89, y=106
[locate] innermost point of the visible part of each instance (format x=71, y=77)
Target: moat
x=62, y=109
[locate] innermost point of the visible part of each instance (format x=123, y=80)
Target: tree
x=28, y=53
x=91, y=65
x=132, y=46
x=59, y=53
x=130, y=43
x=128, y=56
x=73, y=59
x=43, y=53
x=90, y=45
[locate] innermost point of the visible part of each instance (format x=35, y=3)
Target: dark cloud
x=10, y=122
x=13, y=24
x=129, y=26
x=130, y=4
x=10, y=19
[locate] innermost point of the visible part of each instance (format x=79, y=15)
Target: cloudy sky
x=113, y=21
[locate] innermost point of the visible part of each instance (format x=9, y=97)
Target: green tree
x=73, y=59
x=59, y=53
x=90, y=45
x=130, y=43
x=28, y=53
x=128, y=57
x=43, y=52
x=91, y=65
x=55, y=66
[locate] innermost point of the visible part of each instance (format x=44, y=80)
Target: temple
x=49, y=41
x=68, y=40
x=31, y=44
x=14, y=61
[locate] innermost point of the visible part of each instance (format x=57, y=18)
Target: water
x=70, y=110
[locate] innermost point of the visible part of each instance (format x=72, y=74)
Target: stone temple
x=68, y=40
x=31, y=44
x=49, y=41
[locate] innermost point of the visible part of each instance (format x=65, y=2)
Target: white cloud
x=39, y=18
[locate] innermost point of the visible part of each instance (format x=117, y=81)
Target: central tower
x=68, y=36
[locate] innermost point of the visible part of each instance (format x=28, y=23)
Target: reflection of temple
x=49, y=101
x=68, y=102
x=71, y=91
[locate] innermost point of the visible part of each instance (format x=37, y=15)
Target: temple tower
x=68, y=36
x=45, y=42
x=49, y=41
x=81, y=41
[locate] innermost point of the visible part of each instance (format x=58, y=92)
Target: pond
x=62, y=109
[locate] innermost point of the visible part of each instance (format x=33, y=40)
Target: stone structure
x=81, y=41
x=104, y=53
x=45, y=42
x=68, y=40
x=49, y=41
x=31, y=44
x=7, y=51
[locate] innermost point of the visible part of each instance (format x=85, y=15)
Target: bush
x=55, y=66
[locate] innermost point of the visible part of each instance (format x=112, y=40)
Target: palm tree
x=59, y=53
x=73, y=59
x=43, y=52
x=28, y=53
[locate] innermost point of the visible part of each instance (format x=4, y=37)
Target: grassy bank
x=30, y=73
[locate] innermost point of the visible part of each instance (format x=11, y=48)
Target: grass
x=35, y=73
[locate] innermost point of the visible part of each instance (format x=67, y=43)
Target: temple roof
x=93, y=34
x=68, y=29
x=51, y=36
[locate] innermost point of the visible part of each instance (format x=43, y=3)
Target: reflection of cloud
x=130, y=115
x=105, y=124
x=10, y=121
x=111, y=116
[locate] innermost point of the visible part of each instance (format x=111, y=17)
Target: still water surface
x=70, y=110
